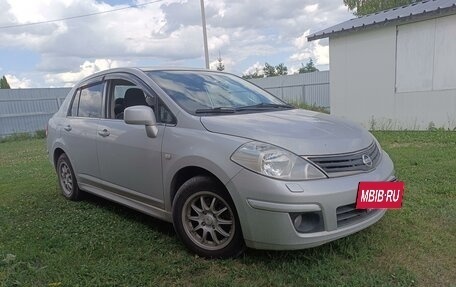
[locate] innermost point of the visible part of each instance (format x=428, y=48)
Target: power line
x=80, y=16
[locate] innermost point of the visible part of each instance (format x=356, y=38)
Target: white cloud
x=217, y=42
x=86, y=69
x=257, y=67
x=321, y=53
x=314, y=50
x=304, y=51
x=18, y=83
x=311, y=8
x=293, y=70
x=301, y=41
x=227, y=62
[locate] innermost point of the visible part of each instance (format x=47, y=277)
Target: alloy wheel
x=208, y=220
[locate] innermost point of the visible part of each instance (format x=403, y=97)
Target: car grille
x=348, y=214
x=349, y=163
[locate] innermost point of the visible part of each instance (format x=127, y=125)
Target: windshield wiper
x=229, y=110
x=218, y=110
x=264, y=106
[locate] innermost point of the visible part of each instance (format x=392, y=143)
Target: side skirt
x=127, y=201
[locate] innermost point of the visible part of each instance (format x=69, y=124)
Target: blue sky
x=167, y=33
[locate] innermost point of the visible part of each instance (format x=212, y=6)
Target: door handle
x=67, y=128
x=104, y=133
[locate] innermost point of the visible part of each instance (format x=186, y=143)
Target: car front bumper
x=265, y=207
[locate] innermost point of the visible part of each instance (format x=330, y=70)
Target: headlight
x=272, y=161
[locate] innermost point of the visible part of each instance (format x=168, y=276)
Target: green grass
x=312, y=107
x=39, y=134
x=48, y=241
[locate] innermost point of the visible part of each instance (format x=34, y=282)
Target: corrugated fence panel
x=317, y=95
x=28, y=110
x=23, y=124
x=308, y=88
x=15, y=107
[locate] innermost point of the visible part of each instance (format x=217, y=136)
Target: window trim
x=77, y=93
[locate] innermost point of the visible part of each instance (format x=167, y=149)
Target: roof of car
x=408, y=13
x=147, y=69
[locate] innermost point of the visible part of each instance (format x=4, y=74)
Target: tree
x=281, y=69
x=309, y=67
x=4, y=83
x=364, y=7
x=271, y=71
x=220, y=66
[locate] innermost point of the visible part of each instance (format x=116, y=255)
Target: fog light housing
x=307, y=222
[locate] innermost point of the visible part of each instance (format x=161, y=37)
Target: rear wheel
x=205, y=219
x=67, y=179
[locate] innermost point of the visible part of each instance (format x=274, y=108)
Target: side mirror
x=142, y=115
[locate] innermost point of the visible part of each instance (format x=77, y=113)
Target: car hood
x=300, y=131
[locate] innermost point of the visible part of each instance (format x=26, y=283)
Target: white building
x=395, y=69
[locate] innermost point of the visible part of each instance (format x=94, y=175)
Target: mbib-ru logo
x=379, y=195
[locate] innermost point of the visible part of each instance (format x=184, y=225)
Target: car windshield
x=204, y=93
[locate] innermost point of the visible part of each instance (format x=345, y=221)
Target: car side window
x=90, y=101
x=116, y=98
x=124, y=94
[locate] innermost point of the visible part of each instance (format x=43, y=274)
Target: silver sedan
x=227, y=163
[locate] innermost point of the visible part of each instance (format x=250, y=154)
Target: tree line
x=366, y=7
x=271, y=71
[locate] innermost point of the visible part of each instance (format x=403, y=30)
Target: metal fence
x=28, y=110
x=308, y=88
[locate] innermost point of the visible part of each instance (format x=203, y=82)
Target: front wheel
x=205, y=219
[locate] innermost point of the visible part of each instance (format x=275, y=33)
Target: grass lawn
x=46, y=240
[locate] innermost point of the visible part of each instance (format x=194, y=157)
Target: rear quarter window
x=75, y=104
x=90, y=101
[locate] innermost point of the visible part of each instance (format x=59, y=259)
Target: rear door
x=130, y=162
x=79, y=131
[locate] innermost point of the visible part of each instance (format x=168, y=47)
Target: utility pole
x=203, y=17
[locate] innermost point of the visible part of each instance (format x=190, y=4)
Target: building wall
x=369, y=86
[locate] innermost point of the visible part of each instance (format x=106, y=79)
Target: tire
x=67, y=179
x=205, y=219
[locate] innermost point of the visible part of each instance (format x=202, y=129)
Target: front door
x=130, y=162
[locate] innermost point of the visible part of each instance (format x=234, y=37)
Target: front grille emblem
x=367, y=160
x=349, y=163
